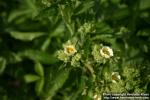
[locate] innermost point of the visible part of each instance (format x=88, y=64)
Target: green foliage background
x=32, y=31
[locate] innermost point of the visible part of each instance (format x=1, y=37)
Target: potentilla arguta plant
x=99, y=62
x=92, y=61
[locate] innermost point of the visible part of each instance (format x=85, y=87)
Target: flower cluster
x=77, y=56
x=69, y=54
x=102, y=53
x=132, y=75
x=86, y=28
x=70, y=49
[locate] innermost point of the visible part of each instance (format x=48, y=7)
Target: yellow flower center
x=114, y=77
x=105, y=51
x=70, y=49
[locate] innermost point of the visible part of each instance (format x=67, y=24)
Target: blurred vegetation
x=33, y=33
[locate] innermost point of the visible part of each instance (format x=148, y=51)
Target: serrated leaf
x=31, y=78
x=40, y=56
x=55, y=84
x=2, y=65
x=26, y=36
x=39, y=69
x=39, y=86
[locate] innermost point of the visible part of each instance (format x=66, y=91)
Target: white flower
x=115, y=77
x=106, y=52
x=97, y=97
x=70, y=49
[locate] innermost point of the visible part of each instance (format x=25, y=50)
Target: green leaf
x=2, y=65
x=120, y=13
x=25, y=36
x=32, y=6
x=29, y=10
x=16, y=14
x=86, y=6
x=12, y=57
x=39, y=69
x=144, y=32
x=31, y=78
x=115, y=1
x=103, y=28
x=40, y=56
x=39, y=86
x=55, y=84
x=144, y=4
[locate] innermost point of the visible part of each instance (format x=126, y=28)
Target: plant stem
x=65, y=20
